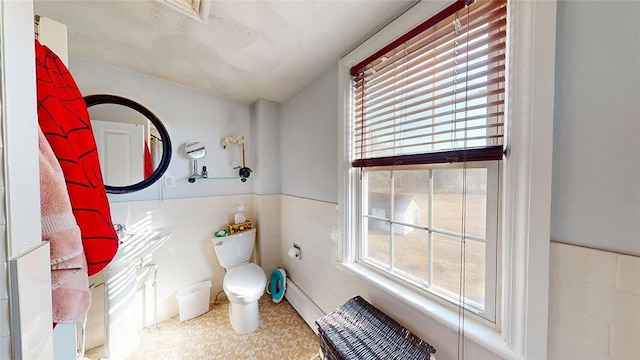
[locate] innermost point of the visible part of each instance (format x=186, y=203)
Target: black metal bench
x=358, y=330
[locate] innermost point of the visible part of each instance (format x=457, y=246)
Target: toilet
x=244, y=283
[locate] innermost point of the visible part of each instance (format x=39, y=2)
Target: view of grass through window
x=414, y=221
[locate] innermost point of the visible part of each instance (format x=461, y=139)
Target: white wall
x=596, y=167
x=193, y=211
x=188, y=256
x=267, y=216
x=315, y=226
x=596, y=309
x=19, y=188
x=595, y=203
x=265, y=130
x=19, y=110
x=309, y=140
x=188, y=115
x=310, y=217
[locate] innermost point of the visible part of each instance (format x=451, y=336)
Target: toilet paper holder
x=295, y=252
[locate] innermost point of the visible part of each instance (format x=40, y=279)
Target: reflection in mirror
x=195, y=150
x=133, y=146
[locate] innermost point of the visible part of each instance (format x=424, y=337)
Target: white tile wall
x=594, y=295
x=625, y=343
x=594, y=301
x=315, y=226
x=188, y=256
x=268, y=225
x=628, y=275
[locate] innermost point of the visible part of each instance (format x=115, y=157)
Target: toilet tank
x=234, y=249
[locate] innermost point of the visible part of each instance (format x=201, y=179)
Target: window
x=412, y=229
x=427, y=138
x=521, y=322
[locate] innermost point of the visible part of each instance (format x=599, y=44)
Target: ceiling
x=246, y=50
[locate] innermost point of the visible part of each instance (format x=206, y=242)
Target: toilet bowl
x=244, y=283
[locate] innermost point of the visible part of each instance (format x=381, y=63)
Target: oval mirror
x=195, y=150
x=133, y=145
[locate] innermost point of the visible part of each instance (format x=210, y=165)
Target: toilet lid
x=244, y=278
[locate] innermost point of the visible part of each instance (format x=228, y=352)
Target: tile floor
x=282, y=334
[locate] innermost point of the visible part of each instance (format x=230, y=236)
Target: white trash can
x=193, y=300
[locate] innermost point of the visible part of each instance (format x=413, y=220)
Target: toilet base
x=244, y=318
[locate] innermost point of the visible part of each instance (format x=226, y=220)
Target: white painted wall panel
x=596, y=167
x=265, y=131
x=21, y=124
x=19, y=158
x=31, y=330
x=309, y=140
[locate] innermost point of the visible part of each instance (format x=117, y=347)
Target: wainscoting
x=594, y=310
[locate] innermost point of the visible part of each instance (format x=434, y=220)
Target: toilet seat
x=277, y=285
x=243, y=281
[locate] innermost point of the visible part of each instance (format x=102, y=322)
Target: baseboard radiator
x=303, y=305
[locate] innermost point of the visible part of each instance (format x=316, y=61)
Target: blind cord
x=456, y=26
x=462, y=280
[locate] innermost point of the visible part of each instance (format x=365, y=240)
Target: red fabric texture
x=148, y=164
x=64, y=120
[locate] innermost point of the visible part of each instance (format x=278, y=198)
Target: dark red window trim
x=451, y=156
x=451, y=9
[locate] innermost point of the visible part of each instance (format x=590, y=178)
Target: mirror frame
x=99, y=99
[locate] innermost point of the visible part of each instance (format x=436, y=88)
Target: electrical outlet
x=169, y=181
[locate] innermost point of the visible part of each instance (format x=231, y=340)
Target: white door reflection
x=121, y=149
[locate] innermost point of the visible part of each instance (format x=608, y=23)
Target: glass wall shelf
x=193, y=178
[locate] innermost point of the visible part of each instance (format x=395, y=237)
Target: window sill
x=474, y=330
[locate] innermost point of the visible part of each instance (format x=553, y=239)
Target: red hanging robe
x=64, y=120
x=148, y=163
